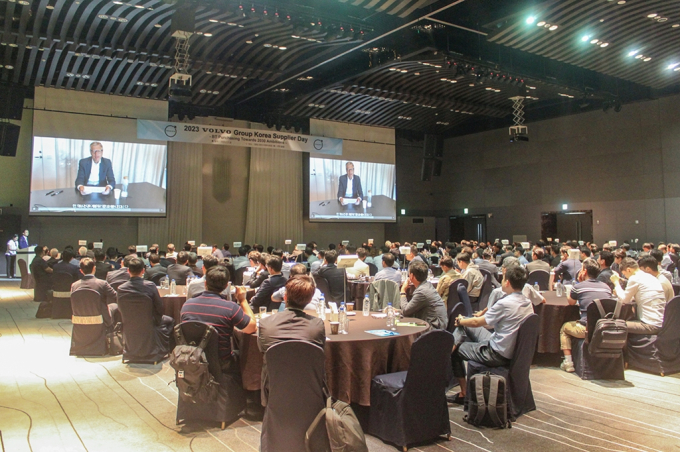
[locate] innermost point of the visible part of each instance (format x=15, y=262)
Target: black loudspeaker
x=426, y=170
x=437, y=168
x=183, y=19
x=433, y=146
x=9, y=139
x=11, y=102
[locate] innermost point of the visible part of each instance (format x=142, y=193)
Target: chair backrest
x=136, y=311
x=193, y=332
x=382, y=292
x=465, y=299
x=453, y=298
x=676, y=289
x=156, y=279
x=487, y=287
x=296, y=381
x=372, y=269
x=525, y=347
x=608, y=304
x=541, y=277
x=668, y=339
x=322, y=285
x=238, y=276
x=61, y=282
x=86, y=302
x=171, y=260
x=232, y=272
x=428, y=371
x=436, y=270
x=457, y=310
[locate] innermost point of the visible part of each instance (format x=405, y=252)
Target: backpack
x=192, y=375
x=342, y=426
x=610, y=333
x=488, y=406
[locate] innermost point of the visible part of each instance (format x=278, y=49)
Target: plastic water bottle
x=559, y=289
x=675, y=277
x=321, y=309
x=367, y=306
x=536, y=288
x=173, y=287
x=342, y=318
x=124, y=191
x=368, y=203
x=390, y=316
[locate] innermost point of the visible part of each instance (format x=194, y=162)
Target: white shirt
x=197, y=287
x=349, y=189
x=667, y=287
x=359, y=268
x=648, y=294
x=535, y=297
x=94, y=174
x=12, y=248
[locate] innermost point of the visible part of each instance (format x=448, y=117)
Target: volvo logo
x=171, y=131
x=318, y=144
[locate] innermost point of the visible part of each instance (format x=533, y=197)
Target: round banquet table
x=554, y=313
x=352, y=360
x=172, y=304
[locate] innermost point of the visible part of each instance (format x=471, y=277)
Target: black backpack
x=488, y=406
x=192, y=375
x=610, y=333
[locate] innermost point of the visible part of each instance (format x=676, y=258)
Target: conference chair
x=145, y=342
x=296, y=395
x=587, y=366
x=518, y=386
x=436, y=270
x=453, y=297
x=238, y=276
x=372, y=269
x=231, y=397
x=322, y=285
x=465, y=299
x=658, y=354
x=541, y=277
x=156, y=279
x=88, y=337
x=61, y=295
x=27, y=281
x=381, y=293
x=676, y=289
x=487, y=287
x=410, y=407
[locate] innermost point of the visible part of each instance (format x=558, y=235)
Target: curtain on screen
x=185, y=203
x=274, y=197
x=55, y=162
x=325, y=173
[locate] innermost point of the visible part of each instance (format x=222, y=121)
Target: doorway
x=567, y=225
x=468, y=227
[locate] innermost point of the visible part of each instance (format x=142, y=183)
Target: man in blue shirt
x=388, y=271
x=493, y=349
x=585, y=292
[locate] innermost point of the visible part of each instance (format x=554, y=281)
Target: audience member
x=471, y=274
x=537, y=262
x=489, y=265
x=171, y=254
x=568, y=269
x=425, y=304
x=64, y=266
x=180, y=271
x=156, y=268
x=259, y=262
x=192, y=263
x=54, y=257
x=659, y=256
x=647, y=293
x=101, y=268
x=449, y=275
x=117, y=277
x=271, y=284
x=650, y=265
x=41, y=274
x=107, y=295
x=605, y=260
x=360, y=267
x=388, y=271
x=334, y=275
x=278, y=296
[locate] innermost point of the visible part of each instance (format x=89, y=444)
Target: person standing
x=11, y=255
x=23, y=240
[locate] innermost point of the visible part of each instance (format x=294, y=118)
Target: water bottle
x=675, y=277
x=367, y=306
x=173, y=287
x=342, y=318
x=368, y=203
x=559, y=289
x=536, y=288
x=124, y=191
x=390, y=316
x=321, y=309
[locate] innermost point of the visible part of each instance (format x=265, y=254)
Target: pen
x=49, y=192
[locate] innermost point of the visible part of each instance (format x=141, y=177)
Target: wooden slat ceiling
x=650, y=28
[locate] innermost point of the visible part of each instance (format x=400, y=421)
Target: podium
x=26, y=254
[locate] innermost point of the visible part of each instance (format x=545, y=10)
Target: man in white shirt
x=11, y=255
x=197, y=286
x=360, y=267
x=650, y=265
x=648, y=294
x=278, y=296
x=171, y=254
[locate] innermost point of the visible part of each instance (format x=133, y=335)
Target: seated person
x=285, y=266
x=180, y=271
x=107, y=295
x=316, y=265
x=650, y=265
x=448, y=276
x=274, y=282
x=473, y=342
x=171, y=253
x=117, y=277
x=388, y=271
x=537, y=262
x=425, y=304
x=648, y=294
x=156, y=267
x=471, y=274
x=414, y=255
x=605, y=261
x=588, y=288
x=101, y=268
x=111, y=257
x=41, y=274
x=278, y=296
x=659, y=256
x=259, y=262
x=488, y=264
x=360, y=267
x=138, y=286
x=568, y=269
x=64, y=266
x=211, y=308
x=535, y=297
x=240, y=261
x=193, y=265
x=334, y=275
x=291, y=324
x=95, y=171
x=196, y=287
x=82, y=252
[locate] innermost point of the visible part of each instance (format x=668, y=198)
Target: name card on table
x=581, y=242
x=237, y=244
x=345, y=242
x=526, y=245
x=612, y=243
x=370, y=241
x=99, y=245
x=420, y=245
x=192, y=242
x=301, y=246
x=82, y=242
x=428, y=242
x=505, y=241
x=142, y=248
x=288, y=242
x=204, y=251
x=404, y=249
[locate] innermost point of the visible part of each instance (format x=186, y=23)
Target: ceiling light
x=531, y=20
x=207, y=35
x=676, y=69
x=215, y=21
x=621, y=2
x=585, y=38
x=553, y=28
x=633, y=53
x=540, y=24
x=202, y=91
x=158, y=25
x=23, y=2
x=652, y=15
x=647, y=59
x=675, y=26
x=103, y=16
x=139, y=6
x=9, y=66
x=283, y=48
x=216, y=92
x=48, y=7
x=673, y=66
x=604, y=44
x=594, y=41
x=267, y=45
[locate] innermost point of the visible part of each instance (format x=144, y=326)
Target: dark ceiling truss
x=625, y=27
x=401, y=8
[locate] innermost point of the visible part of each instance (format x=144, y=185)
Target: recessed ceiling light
x=585, y=38
x=283, y=48
x=604, y=44
x=540, y=24
x=647, y=59
x=103, y=16
x=621, y=2
x=139, y=6
x=216, y=92
x=675, y=25
x=267, y=45
x=673, y=66
x=207, y=34
x=23, y=2
x=48, y=7
x=676, y=69
x=652, y=15
x=9, y=66
x=633, y=53
x=553, y=28
x=202, y=91
x=662, y=19
x=531, y=20
x=158, y=25
x=594, y=41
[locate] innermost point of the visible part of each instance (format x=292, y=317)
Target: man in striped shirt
x=211, y=308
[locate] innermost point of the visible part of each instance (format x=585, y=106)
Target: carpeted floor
x=50, y=401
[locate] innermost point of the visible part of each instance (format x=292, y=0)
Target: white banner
x=234, y=136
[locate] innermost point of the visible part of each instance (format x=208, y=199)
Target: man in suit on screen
x=95, y=171
x=349, y=185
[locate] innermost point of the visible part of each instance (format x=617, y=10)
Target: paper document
x=90, y=190
x=383, y=333
x=346, y=201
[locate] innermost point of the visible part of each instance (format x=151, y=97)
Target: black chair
x=410, y=407
x=232, y=272
x=156, y=279
x=434, y=259
x=238, y=276
x=520, y=398
x=322, y=285
x=27, y=281
x=591, y=368
x=453, y=298
x=658, y=354
x=457, y=310
x=296, y=395
x=541, y=277
x=487, y=288
x=61, y=295
x=465, y=299
x=436, y=270
x=144, y=341
x=372, y=269
x=89, y=331
x=676, y=289
x=231, y=398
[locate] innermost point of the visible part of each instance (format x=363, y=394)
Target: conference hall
x=340, y=225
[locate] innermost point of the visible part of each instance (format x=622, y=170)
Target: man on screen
x=95, y=171
x=349, y=185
